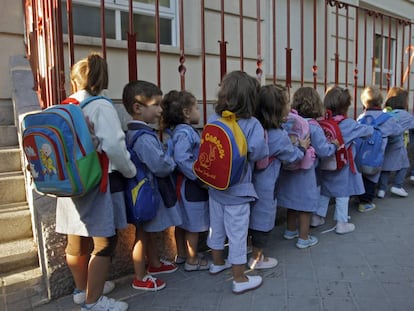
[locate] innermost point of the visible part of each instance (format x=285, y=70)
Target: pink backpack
x=298, y=127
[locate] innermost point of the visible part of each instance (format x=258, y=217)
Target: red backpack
x=330, y=126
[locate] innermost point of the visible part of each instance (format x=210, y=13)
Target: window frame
x=383, y=57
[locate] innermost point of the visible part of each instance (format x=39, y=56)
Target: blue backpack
x=61, y=155
x=141, y=199
x=369, y=152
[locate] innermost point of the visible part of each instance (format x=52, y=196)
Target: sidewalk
x=369, y=269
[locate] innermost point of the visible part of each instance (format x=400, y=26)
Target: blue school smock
x=298, y=189
x=388, y=128
x=193, y=202
x=396, y=156
x=263, y=211
x=344, y=182
x=150, y=151
x=257, y=149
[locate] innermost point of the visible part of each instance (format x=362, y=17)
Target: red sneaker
x=148, y=283
x=166, y=267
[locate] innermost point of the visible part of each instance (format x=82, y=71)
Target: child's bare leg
x=191, y=239
x=304, y=223
x=138, y=253
x=152, y=251
x=291, y=219
x=180, y=242
x=238, y=273
x=257, y=253
x=218, y=257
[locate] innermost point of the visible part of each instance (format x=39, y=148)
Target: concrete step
x=10, y=159
x=12, y=187
x=18, y=255
x=6, y=112
x=8, y=136
x=15, y=222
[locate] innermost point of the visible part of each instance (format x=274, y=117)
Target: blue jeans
x=397, y=182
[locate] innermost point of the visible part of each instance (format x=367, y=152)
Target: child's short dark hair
x=238, y=94
x=338, y=100
x=173, y=104
x=397, y=98
x=307, y=102
x=271, y=102
x=138, y=88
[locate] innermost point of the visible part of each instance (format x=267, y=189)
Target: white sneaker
x=262, y=263
x=399, y=191
x=252, y=283
x=79, y=296
x=381, y=194
x=344, y=227
x=412, y=178
x=317, y=221
x=106, y=304
x=216, y=269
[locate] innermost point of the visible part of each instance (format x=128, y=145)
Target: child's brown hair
x=173, y=105
x=338, y=100
x=271, y=103
x=307, y=103
x=371, y=97
x=91, y=74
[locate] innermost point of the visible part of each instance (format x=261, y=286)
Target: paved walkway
x=369, y=269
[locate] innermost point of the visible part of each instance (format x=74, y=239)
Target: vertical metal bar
x=241, y=19
x=346, y=45
x=157, y=41
x=203, y=62
x=365, y=48
x=60, y=64
x=336, y=45
x=356, y=62
x=103, y=32
x=315, y=50
x=396, y=52
x=301, y=44
x=373, y=48
x=259, y=42
x=70, y=33
x=181, y=68
x=274, y=40
x=389, y=54
x=409, y=56
x=382, y=50
x=402, y=55
x=288, y=51
x=222, y=44
x=132, y=45
x=326, y=47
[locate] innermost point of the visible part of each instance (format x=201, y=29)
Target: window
x=384, y=59
x=87, y=17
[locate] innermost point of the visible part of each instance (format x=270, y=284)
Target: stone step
x=6, y=112
x=17, y=255
x=10, y=159
x=8, y=136
x=15, y=222
x=12, y=187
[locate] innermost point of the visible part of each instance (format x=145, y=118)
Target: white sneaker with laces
x=317, y=221
x=381, y=194
x=399, y=191
x=216, y=269
x=262, y=263
x=252, y=283
x=344, y=227
x=79, y=296
x=106, y=304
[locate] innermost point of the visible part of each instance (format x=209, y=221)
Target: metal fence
x=356, y=47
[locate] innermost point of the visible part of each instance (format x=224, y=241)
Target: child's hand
x=304, y=143
x=336, y=143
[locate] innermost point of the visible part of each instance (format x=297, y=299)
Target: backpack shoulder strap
x=382, y=118
x=90, y=99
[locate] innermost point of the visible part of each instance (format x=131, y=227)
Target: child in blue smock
x=341, y=184
x=372, y=99
x=142, y=101
x=272, y=108
x=396, y=156
x=297, y=190
x=230, y=208
x=179, y=111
